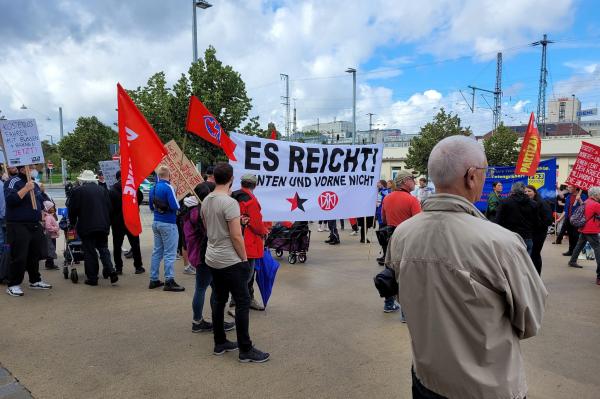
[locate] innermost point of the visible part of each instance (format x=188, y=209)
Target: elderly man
x=89, y=210
x=468, y=287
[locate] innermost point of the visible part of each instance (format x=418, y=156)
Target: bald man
x=467, y=286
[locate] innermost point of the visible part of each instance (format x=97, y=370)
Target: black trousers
x=119, y=233
x=573, y=234
x=333, y=231
x=234, y=280
x=365, y=223
x=25, y=240
x=96, y=241
x=539, y=238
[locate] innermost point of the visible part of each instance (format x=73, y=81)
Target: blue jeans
x=529, y=244
x=203, y=280
x=165, y=246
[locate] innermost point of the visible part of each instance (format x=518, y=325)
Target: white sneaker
x=189, y=269
x=15, y=290
x=320, y=230
x=354, y=233
x=40, y=285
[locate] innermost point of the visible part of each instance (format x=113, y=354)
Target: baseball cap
x=403, y=174
x=250, y=178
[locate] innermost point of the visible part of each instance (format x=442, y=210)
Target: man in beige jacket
x=468, y=287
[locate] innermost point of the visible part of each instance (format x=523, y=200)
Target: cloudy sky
x=412, y=57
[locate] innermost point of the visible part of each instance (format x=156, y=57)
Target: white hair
x=518, y=187
x=452, y=157
x=594, y=192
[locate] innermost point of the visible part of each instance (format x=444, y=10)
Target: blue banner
x=544, y=180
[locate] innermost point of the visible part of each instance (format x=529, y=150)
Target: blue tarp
x=544, y=180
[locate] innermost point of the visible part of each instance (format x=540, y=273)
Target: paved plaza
x=324, y=327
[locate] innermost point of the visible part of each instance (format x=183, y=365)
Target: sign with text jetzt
x=302, y=182
x=184, y=175
x=586, y=170
x=22, y=145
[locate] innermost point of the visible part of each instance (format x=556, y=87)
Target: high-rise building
x=563, y=110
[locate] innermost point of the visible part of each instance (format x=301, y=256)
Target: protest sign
x=586, y=170
x=544, y=180
x=109, y=170
x=22, y=145
x=301, y=182
x=184, y=175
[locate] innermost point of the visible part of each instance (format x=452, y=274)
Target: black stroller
x=73, y=252
x=295, y=240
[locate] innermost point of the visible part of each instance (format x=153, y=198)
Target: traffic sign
x=116, y=157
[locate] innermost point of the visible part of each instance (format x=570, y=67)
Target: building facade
x=331, y=129
x=563, y=109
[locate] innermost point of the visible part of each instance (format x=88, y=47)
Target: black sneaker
x=229, y=325
x=119, y=272
x=140, y=270
x=254, y=356
x=329, y=241
x=155, y=284
x=202, y=326
x=227, y=346
x=334, y=242
x=91, y=282
x=171, y=285
x=51, y=266
x=114, y=277
x=568, y=253
x=105, y=273
x=575, y=265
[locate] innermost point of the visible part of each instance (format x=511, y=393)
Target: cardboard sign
x=586, y=170
x=22, y=145
x=109, y=170
x=184, y=175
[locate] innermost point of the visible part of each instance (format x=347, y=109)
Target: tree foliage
x=501, y=148
x=87, y=144
x=443, y=125
x=218, y=86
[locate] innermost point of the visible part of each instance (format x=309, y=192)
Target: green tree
x=87, y=144
x=218, y=86
x=501, y=148
x=252, y=128
x=443, y=125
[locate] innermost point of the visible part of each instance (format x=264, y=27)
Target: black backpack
x=386, y=284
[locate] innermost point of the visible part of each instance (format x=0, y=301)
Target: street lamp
x=572, y=112
x=353, y=72
x=203, y=5
x=23, y=106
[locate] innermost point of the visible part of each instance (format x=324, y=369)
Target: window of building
x=561, y=111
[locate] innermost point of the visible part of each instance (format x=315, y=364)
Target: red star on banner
x=297, y=202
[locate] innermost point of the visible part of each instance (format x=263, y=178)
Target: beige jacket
x=470, y=293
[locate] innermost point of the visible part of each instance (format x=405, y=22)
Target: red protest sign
x=586, y=171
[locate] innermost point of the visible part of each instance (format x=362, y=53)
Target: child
x=51, y=231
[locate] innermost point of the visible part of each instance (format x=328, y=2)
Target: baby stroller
x=295, y=240
x=73, y=252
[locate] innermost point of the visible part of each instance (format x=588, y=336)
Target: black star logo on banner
x=297, y=202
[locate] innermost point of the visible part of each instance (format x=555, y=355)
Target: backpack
x=578, y=219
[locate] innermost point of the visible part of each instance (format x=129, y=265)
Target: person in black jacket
x=119, y=231
x=519, y=213
x=89, y=210
x=24, y=232
x=540, y=231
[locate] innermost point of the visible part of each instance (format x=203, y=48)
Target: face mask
x=34, y=174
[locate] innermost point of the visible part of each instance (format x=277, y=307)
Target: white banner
x=109, y=170
x=303, y=182
x=22, y=145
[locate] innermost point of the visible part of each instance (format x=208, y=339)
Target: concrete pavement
x=324, y=327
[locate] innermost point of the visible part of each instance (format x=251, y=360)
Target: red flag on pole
x=529, y=158
x=141, y=151
x=201, y=122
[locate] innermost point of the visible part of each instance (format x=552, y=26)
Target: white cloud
x=518, y=107
x=308, y=40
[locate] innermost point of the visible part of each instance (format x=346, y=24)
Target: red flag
x=273, y=134
x=529, y=158
x=201, y=122
x=141, y=151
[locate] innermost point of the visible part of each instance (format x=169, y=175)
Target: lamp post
x=63, y=162
x=572, y=112
x=203, y=5
x=353, y=72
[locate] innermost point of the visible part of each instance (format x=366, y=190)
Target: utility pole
x=63, y=162
x=370, y=114
x=498, y=93
x=286, y=102
x=295, y=127
x=541, y=108
x=353, y=72
x=572, y=112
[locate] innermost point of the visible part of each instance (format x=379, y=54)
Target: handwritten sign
x=184, y=175
x=110, y=169
x=586, y=171
x=22, y=145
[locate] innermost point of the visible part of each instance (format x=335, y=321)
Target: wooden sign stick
x=31, y=193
